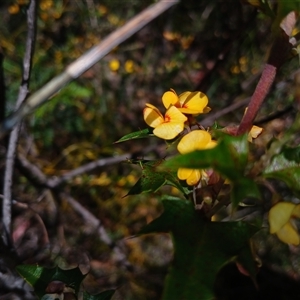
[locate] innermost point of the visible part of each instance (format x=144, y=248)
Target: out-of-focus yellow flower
x=113, y=19
x=58, y=56
x=195, y=140
x=171, y=36
x=23, y=2
x=186, y=41
x=114, y=65
x=45, y=5
x=188, y=102
x=102, y=180
x=129, y=66
x=281, y=222
x=13, y=9
x=166, y=127
x=102, y=9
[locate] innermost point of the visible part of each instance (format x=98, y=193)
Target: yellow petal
x=194, y=178
x=184, y=173
x=194, y=102
x=152, y=116
x=279, y=215
x=206, y=110
x=288, y=234
x=254, y=133
x=211, y=144
x=174, y=115
x=194, y=140
x=296, y=211
x=169, y=130
x=170, y=98
x=183, y=96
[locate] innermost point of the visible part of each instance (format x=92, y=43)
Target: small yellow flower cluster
x=129, y=65
x=171, y=124
x=179, y=109
x=281, y=220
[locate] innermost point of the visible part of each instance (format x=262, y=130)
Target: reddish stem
x=261, y=90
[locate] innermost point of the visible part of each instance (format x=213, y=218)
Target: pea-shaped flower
x=168, y=126
x=194, y=140
x=192, y=103
x=281, y=220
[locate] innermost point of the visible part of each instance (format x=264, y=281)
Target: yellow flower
x=281, y=222
x=195, y=140
x=166, y=127
x=188, y=102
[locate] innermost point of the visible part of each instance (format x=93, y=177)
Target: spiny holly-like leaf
x=106, y=295
x=285, y=167
x=152, y=180
x=229, y=158
x=39, y=277
x=201, y=248
x=141, y=134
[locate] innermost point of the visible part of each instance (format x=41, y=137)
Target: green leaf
x=201, y=248
x=292, y=154
x=285, y=167
x=266, y=9
x=152, y=180
x=39, y=277
x=229, y=158
x=141, y=134
x=106, y=295
x=246, y=260
x=243, y=188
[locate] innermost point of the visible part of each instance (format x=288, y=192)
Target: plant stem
x=265, y=82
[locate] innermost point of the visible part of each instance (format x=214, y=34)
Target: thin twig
x=89, y=218
x=36, y=175
x=23, y=91
x=31, y=171
x=84, y=62
x=92, y=10
x=55, y=182
x=210, y=119
x=116, y=247
x=2, y=88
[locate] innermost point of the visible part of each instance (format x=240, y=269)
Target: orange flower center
x=167, y=118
